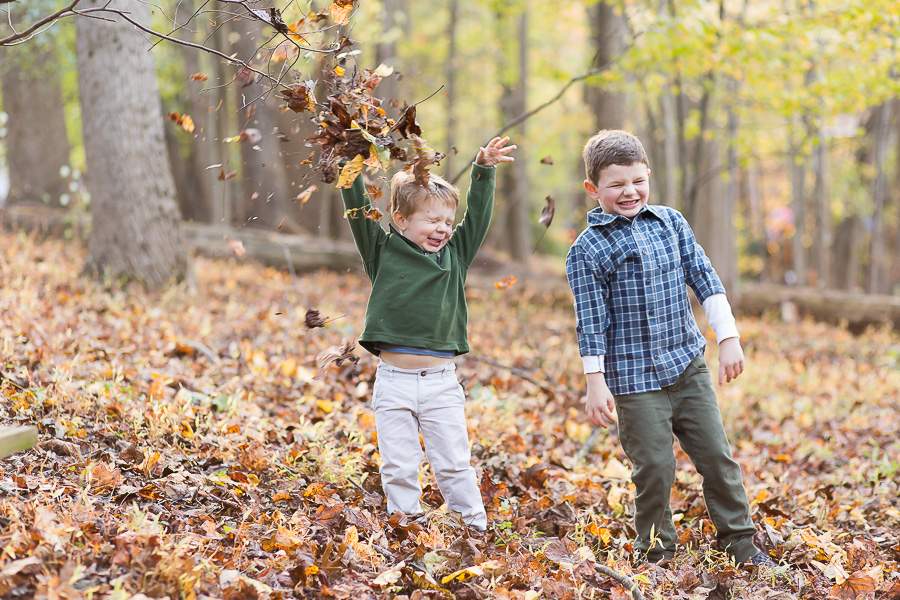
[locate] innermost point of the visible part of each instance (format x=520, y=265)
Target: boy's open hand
x=598, y=403
x=731, y=360
x=495, y=152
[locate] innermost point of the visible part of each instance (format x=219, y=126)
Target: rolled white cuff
x=718, y=314
x=593, y=364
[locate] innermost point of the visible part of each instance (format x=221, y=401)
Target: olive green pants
x=688, y=409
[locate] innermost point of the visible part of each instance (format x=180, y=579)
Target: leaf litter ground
x=186, y=451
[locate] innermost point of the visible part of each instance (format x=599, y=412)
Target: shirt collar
x=597, y=217
x=435, y=256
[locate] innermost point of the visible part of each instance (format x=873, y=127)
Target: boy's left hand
x=731, y=360
x=495, y=152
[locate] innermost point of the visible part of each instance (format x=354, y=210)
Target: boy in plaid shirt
x=642, y=349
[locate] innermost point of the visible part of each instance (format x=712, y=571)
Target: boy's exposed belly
x=411, y=361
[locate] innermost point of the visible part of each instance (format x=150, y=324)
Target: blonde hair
x=408, y=195
x=611, y=147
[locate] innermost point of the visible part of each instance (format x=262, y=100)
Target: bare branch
x=49, y=20
x=527, y=115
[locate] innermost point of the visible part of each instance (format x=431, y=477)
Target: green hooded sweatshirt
x=418, y=298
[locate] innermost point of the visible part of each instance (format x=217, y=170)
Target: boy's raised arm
x=367, y=233
x=471, y=231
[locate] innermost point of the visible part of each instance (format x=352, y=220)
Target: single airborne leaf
x=314, y=319
x=505, y=283
x=251, y=136
x=237, y=246
x=340, y=11
x=547, y=212
x=547, y=160
x=350, y=172
x=199, y=77
x=304, y=196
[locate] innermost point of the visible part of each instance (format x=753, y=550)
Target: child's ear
x=591, y=189
x=399, y=220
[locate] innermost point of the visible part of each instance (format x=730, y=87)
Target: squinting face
x=621, y=189
x=430, y=227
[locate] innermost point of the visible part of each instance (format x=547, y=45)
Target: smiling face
x=621, y=189
x=429, y=227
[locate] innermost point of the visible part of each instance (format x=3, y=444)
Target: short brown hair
x=408, y=195
x=611, y=147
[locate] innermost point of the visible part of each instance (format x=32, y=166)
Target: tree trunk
x=37, y=147
x=135, y=221
x=512, y=230
x=798, y=207
x=878, y=247
x=191, y=153
x=386, y=51
x=846, y=253
x=607, y=37
x=823, y=238
x=670, y=146
x=265, y=191
x=452, y=68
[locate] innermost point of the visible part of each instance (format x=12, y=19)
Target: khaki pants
x=405, y=401
x=688, y=409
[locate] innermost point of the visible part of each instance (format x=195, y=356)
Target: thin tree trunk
x=135, y=230
x=265, y=190
x=877, y=257
x=670, y=153
x=823, y=238
x=757, y=220
x=607, y=36
x=452, y=68
x=37, y=146
x=798, y=207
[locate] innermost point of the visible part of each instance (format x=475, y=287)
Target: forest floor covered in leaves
x=186, y=451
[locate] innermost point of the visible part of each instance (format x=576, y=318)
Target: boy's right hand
x=495, y=152
x=599, y=402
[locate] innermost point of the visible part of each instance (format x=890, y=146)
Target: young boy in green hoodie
x=416, y=324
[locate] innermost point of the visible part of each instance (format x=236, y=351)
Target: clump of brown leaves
x=353, y=125
x=186, y=450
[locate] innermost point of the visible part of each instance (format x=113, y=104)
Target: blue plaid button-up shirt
x=628, y=277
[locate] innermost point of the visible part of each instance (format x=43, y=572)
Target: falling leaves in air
x=506, y=282
x=336, y=355
x=223, y=176
x=250, y=135
x=314, y=319
x=373, y=214
x=300, y=97
x=244, y=76
x=199, y=77
x=425, y=156
x=340, y=11
x=547, y=212
x=304, y=196
x=183, y=121
x=547, y=160
x=237, y=247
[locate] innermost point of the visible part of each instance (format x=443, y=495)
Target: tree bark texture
x=608, y=37
x=191, y=153
x=265, y=191
x=512, y=230
x=798, y=207
x=37, y=145
x=878, y=246
x=135, y=220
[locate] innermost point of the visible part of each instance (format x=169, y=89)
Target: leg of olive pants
x=688, y=409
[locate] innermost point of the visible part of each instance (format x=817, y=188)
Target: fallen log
x=16, y=439
x=854, y=310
